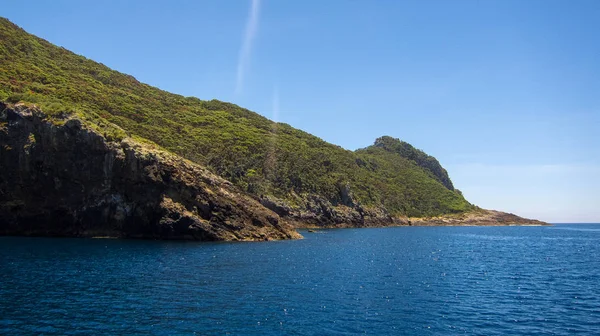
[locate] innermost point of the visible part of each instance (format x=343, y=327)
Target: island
x=87, y=151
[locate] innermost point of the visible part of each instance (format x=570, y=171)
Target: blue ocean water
x=405, y=280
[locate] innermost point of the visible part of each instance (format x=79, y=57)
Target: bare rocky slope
x=62, y=177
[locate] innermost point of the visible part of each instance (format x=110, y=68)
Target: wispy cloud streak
x=249, y=35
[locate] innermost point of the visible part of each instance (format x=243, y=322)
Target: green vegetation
x=259, y=156
x=406, y=150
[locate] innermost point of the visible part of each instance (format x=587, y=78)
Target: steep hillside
x=406, y=150
x=285, y=167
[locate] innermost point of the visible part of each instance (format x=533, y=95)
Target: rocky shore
x=316, y=212
x=61, y=177
x=479, y=217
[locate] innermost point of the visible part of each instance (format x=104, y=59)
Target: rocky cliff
x=62, y=177
x=316, y=212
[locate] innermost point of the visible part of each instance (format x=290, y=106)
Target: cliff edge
x=62, y=177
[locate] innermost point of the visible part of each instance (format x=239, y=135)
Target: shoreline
x=480, y=217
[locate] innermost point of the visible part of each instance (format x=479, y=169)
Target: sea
x=517, y=280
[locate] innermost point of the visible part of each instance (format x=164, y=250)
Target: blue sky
x=506, y=94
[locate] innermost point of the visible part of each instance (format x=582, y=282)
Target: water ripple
x=420, y=281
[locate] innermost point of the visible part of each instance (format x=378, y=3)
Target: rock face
x=63, y=178
x=317, y=212
x=479, y=217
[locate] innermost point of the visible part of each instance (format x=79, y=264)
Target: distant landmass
x=89, y=151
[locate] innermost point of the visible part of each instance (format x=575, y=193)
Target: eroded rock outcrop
x=60, y=177
x=478, y=217
x=317, y=212
x=314, y=211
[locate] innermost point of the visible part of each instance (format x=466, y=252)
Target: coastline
x=479, y=217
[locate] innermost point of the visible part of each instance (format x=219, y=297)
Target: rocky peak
x=406, y=150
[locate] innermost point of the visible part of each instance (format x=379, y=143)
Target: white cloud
x=249, y=35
